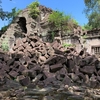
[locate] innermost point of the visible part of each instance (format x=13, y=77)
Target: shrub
x=5, y=45
x=83, y=28
x=33, y=9
x=56, y=18
x=87, y=27
x=14, y=13
x=59, y=20
x=75, y=22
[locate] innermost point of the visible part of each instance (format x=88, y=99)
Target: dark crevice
x=22, y=24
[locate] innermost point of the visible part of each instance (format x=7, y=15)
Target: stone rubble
x=37, y=70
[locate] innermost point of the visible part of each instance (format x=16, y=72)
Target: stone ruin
x=48, y=70
x=23, y=25
x=38, y=70
x=93, y=42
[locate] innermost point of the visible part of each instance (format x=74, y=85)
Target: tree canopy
x=92, y=11
x=3, y=14
x=60, y=20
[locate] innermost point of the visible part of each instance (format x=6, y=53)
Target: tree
x=59, y=21
x=3, y=14
x=13, y=13
x=56, y=18
x=87, y=27
x=92, y=11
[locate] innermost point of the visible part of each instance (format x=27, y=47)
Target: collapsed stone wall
x=24, y=25
x=34, y=63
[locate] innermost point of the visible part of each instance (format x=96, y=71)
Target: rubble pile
x=33, y=63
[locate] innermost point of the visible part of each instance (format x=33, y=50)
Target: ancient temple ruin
x=93, y=42
x=40, y=70
x=24, y=25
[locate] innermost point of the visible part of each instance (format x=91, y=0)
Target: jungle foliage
x=92, y=11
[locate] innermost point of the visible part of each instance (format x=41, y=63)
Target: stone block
x=56, y=67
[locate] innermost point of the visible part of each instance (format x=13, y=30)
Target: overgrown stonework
x=24, y=25
x=38, y=70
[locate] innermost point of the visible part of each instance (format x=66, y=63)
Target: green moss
x=5, y=45
x=67, y=45
x=84, y=36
